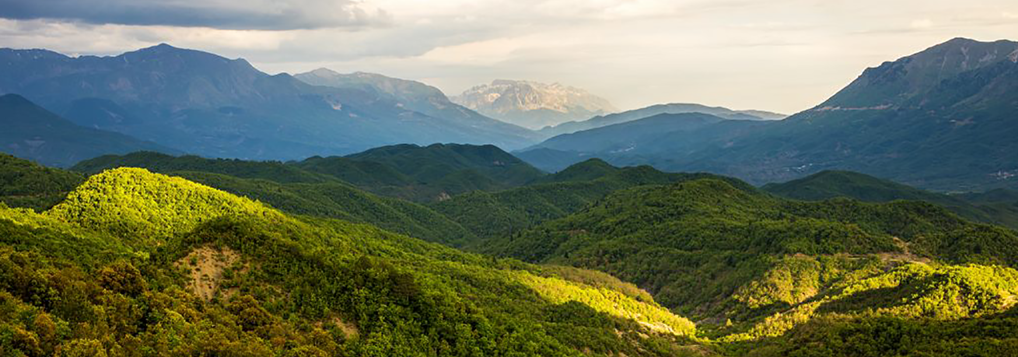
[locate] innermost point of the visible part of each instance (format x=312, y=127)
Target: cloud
x=219, y=14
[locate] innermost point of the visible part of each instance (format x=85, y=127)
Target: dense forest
x=136, y=263
x=148, y=254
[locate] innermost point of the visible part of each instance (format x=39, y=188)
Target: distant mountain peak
x=533, y=104
x=162, y=48
x=894, y=83
x=165, y=51
x=322, y=71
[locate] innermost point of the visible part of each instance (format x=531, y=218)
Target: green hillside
x=295, y=190
x=365, y=174
x=441, y=170
x=340, y=200
x=831, y=184
x=720, y=253
x=26, y=184
x=136, y=261
x=554, y=196
x=266, y=170
x=185, y=269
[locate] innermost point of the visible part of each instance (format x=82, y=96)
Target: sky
x=778, y=55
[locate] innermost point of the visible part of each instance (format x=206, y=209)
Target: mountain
x=531, y=104
x=171, y=267
x=415, y=96
x=37, y=134
x=216, y=107
x=755, y=269
x=27, y=184
x=674, y=108
x=830, y=184
x=940, y=119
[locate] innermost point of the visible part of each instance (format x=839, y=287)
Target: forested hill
x=295, y=190
x=139, y=262
x=411, y=172
x=429, y=173
x=27, y=184
x=195, y=263
x=752, y=267
x=831, y=184
x=503, y=213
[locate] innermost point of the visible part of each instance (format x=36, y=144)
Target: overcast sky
x=779, y=55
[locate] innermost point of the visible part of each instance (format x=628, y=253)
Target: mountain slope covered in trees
x=417, y=173
x=27, y=184
x=830, y=184
x=761, y=276
x=751, y=267
x=294, y=190
x=117, y=268
x=504, y=213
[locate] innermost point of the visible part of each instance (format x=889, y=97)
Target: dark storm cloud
x=222, y=14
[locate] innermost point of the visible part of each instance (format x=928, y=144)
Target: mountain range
x=205, y=104
x=940, y=119
x=532, y=104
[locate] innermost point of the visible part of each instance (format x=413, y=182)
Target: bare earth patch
x=349, y=329
x=207, y=266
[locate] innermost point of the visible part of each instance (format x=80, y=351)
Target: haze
x=775, y=55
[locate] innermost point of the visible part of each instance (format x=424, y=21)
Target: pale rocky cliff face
x=532, y=104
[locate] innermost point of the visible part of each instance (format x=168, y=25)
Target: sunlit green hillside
x=135, y=263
